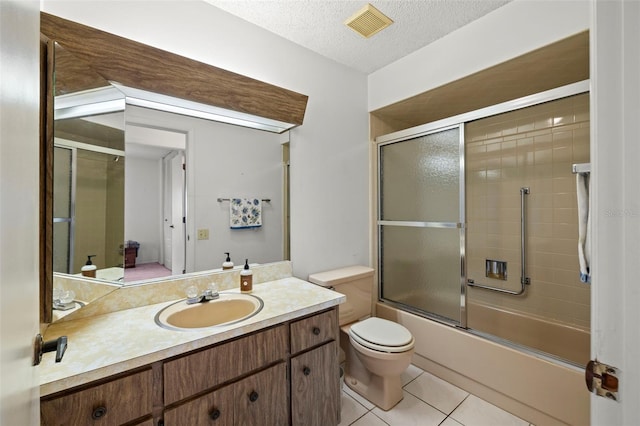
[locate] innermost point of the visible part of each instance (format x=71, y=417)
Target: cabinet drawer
x=314, y=330
x=215, y=408
x=205, y=369
x=112, y=403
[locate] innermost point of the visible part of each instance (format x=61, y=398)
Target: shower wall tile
x=533, y=147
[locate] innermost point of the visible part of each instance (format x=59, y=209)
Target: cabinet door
x=261, y=399
x=215, y=408
x=315, y=384
x=112, y=403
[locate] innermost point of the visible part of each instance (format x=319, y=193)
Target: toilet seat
x=382, y=335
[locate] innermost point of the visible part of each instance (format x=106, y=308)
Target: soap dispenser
x=89, y=269
x=246, y=278
x=227, y=264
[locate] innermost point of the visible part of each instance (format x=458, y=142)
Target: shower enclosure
x=88, y=187
x=478, y=222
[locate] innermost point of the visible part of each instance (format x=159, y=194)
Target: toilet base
x=384, y=393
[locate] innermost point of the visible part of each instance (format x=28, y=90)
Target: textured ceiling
x=319, y=25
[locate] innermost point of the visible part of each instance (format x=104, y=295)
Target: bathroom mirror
x=221, y=161
x=126, y=179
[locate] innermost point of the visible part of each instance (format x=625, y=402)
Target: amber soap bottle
x=246, y=278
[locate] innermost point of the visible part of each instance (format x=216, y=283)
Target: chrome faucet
x=211, y=293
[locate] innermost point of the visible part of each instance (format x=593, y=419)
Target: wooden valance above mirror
x=137, y=65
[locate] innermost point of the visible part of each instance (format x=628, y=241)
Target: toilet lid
x=382, y=335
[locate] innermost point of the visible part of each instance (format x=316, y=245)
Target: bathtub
x=535, y=388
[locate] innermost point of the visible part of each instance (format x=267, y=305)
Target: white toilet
x=377, y=351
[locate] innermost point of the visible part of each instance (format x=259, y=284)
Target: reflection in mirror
x=155, y=204
x=221, y=161
x=88, y=183
x=88, y=193
x=159, y=218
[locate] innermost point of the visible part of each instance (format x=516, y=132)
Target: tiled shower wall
x=533, y=147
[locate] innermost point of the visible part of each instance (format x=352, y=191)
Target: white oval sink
x=229, y=308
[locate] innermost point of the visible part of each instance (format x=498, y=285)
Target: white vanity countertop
x=103, y=345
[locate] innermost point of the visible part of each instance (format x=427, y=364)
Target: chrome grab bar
x=524, y=280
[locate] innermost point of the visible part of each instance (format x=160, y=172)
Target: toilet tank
x=355, y=282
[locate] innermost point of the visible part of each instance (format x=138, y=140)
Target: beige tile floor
x=428, y=401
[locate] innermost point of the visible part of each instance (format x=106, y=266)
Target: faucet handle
x=211, y=292
x=213, y=287
x=192, y=294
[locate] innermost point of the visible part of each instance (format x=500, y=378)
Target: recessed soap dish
x=496, y=269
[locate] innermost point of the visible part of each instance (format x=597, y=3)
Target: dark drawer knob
x=316, y=331
x=215, y=414
x=99, y=413
x=306, y=371
x=253, y=396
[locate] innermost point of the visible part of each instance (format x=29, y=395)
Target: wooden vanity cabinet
x=286, y=374
x=315, y=379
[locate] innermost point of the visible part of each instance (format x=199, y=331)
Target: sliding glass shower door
x=420, y=221
x=64, y=159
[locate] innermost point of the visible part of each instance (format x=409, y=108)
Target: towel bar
x=581, y=168
x=266, y=200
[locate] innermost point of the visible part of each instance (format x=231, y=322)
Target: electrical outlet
x=203, y=234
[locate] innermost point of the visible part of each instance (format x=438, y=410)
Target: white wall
x=19, y=171
x=235, y=162
x=143, y=208
x=510, y=31
x=223, y=161
x=329, y=152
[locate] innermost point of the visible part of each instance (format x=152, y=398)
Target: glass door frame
x=460, y=224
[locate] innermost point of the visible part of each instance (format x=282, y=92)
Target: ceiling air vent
x=368, y=21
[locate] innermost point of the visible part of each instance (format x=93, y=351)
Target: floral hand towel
x=245, y=213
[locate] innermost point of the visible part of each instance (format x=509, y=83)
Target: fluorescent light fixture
x=166, y=103
x=113, y=98
x=103, y=100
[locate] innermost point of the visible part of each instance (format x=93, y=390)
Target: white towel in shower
x=245, y=213
x=583, y=182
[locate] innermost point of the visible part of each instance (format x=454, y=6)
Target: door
x=261, y=399
x=19, y=233
x=311, y=380
x=419, y=225
x=178, y=214
x=167, y=207
x=63, y=206
x=615, y=107
x=174, y=226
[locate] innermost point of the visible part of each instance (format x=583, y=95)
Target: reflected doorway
x=155, y=202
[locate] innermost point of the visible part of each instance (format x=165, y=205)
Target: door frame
x=615, y=203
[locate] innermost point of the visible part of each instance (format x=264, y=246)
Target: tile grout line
x=456, y=407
